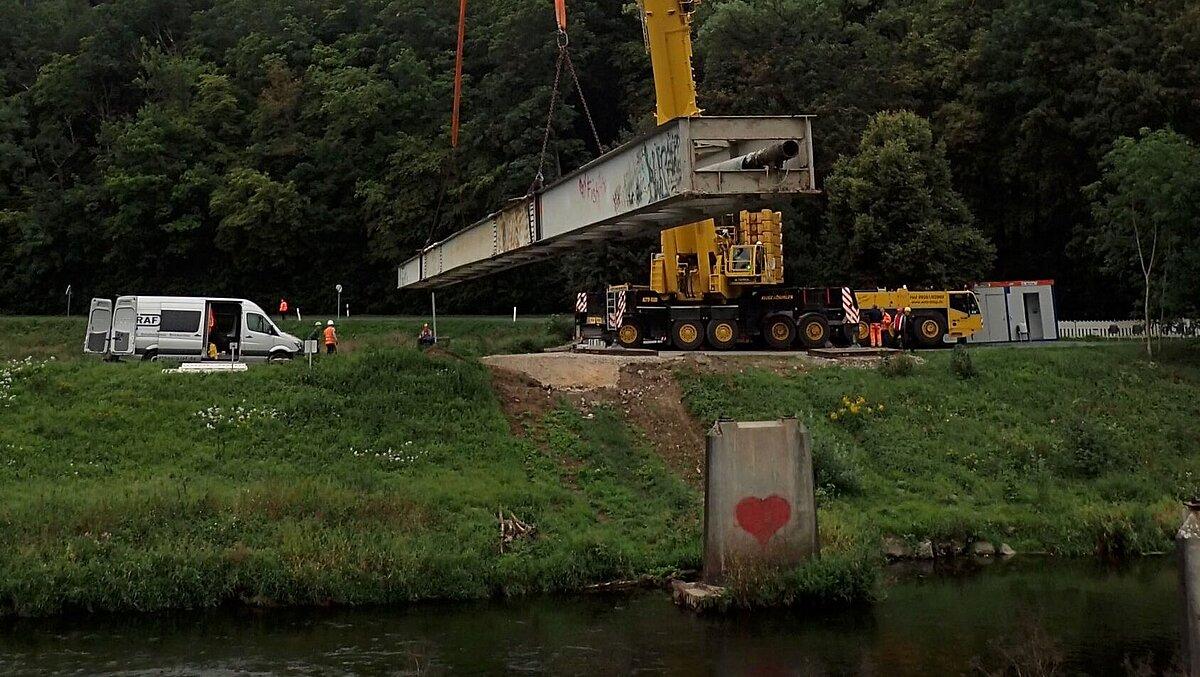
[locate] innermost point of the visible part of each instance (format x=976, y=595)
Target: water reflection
x=1090, y=618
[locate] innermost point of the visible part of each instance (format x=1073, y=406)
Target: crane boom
x=668, y=32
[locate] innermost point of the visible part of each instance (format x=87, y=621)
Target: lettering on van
x=148, y=320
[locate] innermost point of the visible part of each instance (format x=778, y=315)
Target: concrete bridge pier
x=1188, y=540
x=759, y=498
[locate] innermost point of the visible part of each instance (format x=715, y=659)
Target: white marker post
x=338, y=309
x=433, y=304
x=310, y=349
x=68, y=295
x=514, y=313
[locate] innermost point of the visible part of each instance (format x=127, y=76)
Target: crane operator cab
x=741, y=259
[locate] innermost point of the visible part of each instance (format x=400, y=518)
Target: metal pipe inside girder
x=772, y=156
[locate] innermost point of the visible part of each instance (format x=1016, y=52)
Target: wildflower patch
x=853, y=411
x=13, y=370
x=405, y=455
x=238, y=416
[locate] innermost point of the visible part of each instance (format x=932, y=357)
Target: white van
x=188, y=328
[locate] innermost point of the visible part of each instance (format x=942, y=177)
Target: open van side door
x=99, y=327
x=124, y=326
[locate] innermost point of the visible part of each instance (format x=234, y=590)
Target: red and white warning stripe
x=849, y=305
x=616, y=314
x=581, y=302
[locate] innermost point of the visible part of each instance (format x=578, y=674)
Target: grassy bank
x=375, y=477
x=1068, y=450
x=62, y=337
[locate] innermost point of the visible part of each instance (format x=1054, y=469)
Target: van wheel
x=687, y=334
x=150, y=356
x=779, y=332
x=814, y=330
x=722, y=334
x=279, y=357
x=929, y=329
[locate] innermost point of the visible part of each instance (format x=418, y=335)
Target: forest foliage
x=268, y=148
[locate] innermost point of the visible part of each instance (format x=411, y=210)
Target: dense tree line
x=276, y=147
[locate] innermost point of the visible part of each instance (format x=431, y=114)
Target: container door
x=124, y=326
x=1033, y=316
x=98, y=328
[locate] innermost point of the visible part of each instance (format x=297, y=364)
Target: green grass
x=376, y=476
x=62, y=337
x=1068, y=450
x=373, y=478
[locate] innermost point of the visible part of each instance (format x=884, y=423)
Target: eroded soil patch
x=642, y=388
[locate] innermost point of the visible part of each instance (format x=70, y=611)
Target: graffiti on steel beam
x=654, y=173
x=592, y=189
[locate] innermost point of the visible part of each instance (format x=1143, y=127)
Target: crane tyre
x=721, y=334
x=813, y=329
x=629, y=335
x=687, y=334
x=862, y=334
x=929, y=329
x=779, y=331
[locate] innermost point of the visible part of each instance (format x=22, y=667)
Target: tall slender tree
x=1146, y=206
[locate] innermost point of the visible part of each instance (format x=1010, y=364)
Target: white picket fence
x=1127, y=329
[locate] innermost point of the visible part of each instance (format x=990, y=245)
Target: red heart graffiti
x=762, y=517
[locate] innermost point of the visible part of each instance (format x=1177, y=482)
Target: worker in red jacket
x=283, y=308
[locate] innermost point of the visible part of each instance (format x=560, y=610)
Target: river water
x=1082, y=616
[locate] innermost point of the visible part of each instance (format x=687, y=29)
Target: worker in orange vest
x=331, y=339
x=875, y=324
x=426, y=337
x=283, y=308
x=886, y=327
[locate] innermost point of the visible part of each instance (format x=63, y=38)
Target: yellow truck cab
x=937, y=316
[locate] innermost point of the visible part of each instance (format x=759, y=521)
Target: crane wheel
x=722, y=334
x=814, y=330
x=629, y=335
x=687, y=334
x=862, y=334
x=929, y=329
x=779, y=331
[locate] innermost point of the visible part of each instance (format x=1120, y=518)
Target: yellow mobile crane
x=714, y=281
x=937, y=315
